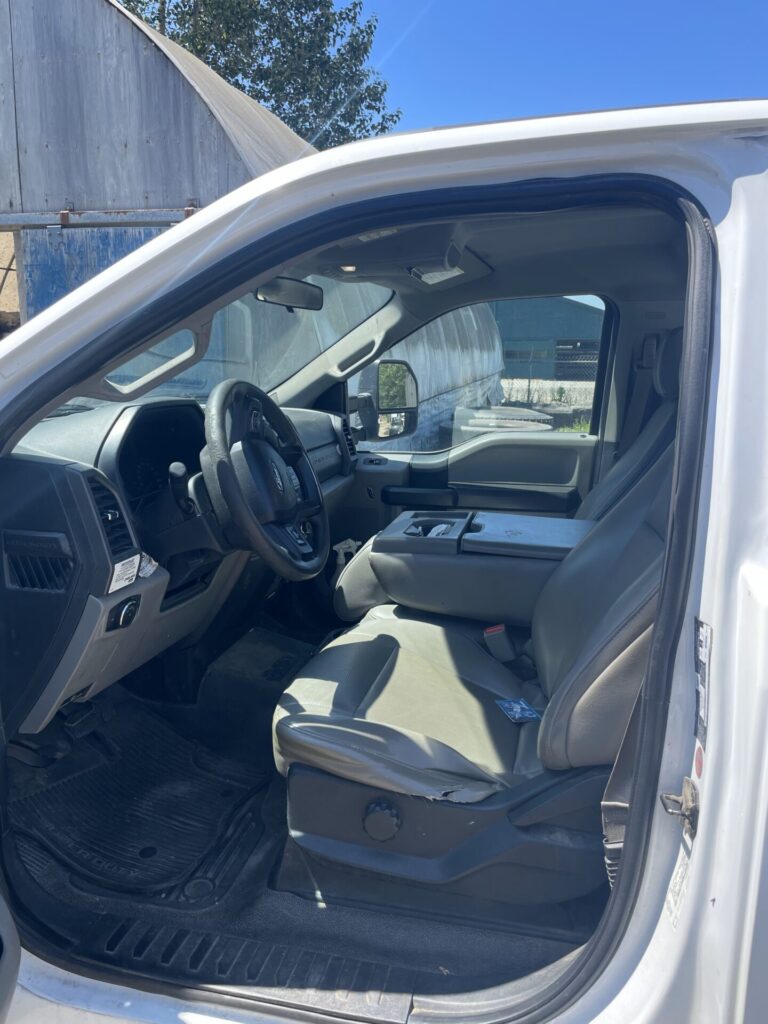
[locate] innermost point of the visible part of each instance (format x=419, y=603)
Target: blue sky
x=457, y=61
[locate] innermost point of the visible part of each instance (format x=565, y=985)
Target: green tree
x=305, y=60
x=393, y=386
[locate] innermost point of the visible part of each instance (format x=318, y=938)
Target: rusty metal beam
x=93, y=219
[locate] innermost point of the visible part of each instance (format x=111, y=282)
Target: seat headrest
x=666, y=370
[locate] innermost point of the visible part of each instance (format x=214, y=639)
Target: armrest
x=489, y=566
x=488, y=588
x=516, y=536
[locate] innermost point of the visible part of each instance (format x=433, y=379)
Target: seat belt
x=642, y=389
x=614, y=807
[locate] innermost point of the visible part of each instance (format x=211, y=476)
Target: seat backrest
x=592, y=625
x=657, y=434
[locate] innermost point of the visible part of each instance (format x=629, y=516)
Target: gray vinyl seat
x=654, y=438
x=407, y=703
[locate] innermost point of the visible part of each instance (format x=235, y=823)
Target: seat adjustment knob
x=381, y=820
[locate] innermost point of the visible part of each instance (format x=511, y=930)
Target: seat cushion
x=409, y=704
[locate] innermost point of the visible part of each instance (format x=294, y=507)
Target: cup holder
x=428, y=528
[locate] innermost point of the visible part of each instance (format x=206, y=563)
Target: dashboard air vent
x=348, y=437
x=112, y=519
x=37, y=561
x=31, y=572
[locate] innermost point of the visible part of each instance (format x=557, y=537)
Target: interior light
x=430, y=277
x=349, y=268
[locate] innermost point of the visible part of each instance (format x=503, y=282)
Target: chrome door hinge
x=685, y=806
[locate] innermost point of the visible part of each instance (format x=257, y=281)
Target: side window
x=512, y=364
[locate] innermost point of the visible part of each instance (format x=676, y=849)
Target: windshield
x=264, y=343
x=252, y=340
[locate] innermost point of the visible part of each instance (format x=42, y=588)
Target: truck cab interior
x=240, y=755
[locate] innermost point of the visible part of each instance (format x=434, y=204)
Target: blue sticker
x=519, y=710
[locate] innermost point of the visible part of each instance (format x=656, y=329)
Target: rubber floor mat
x=238, y=694
x=138, y=808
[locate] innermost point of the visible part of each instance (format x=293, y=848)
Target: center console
x=489, y=566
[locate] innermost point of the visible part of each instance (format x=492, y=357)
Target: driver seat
x=398, y=755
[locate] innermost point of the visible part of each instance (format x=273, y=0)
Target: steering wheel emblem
x=276, y=477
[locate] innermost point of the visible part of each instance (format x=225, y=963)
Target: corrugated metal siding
x=262, y=140
x=110, y=116
x=456, y=349
x=104, y=121
x=10, y=188
x=457, y=361
x=100, y=113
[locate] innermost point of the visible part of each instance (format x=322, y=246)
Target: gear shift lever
x=178, y=480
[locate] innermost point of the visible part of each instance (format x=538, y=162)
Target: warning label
x=678, y=885
x=124, y=573
x=702, y=653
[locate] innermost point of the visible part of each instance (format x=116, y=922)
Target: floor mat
x=149, y=848
x=278, y=947
x=138, y=808
x=238, y=694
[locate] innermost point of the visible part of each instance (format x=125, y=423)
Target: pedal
x=38, y=755
x=80, y=719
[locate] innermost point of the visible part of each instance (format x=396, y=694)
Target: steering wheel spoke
x=291, y=454
x=308, y=509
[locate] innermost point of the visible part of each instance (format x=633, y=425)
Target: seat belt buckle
x=499, y=643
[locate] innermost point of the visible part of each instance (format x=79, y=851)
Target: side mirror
x=398, y=399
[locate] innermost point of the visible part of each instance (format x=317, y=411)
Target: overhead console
x=489, y=566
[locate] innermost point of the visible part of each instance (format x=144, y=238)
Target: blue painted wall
x=56, y=260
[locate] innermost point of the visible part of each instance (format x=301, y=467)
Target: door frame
x=560, y=987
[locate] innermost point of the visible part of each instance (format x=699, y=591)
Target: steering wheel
x=261, y=483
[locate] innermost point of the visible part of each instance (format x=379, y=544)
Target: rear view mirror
x=398, y=399
x=291, y=293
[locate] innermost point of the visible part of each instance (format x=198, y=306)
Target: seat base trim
x=538, y=843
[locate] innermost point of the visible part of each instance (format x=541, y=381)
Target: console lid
x=497, y=533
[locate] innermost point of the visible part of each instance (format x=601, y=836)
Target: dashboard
x=103, y=566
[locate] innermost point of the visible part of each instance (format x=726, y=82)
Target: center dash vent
x=348, y=437
x=112, y=519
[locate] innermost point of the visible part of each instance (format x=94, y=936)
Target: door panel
x=365, y=509
x=545, y=473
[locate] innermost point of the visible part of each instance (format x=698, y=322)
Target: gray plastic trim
x=519, y=536
x=486, y=588
x=97, y=657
